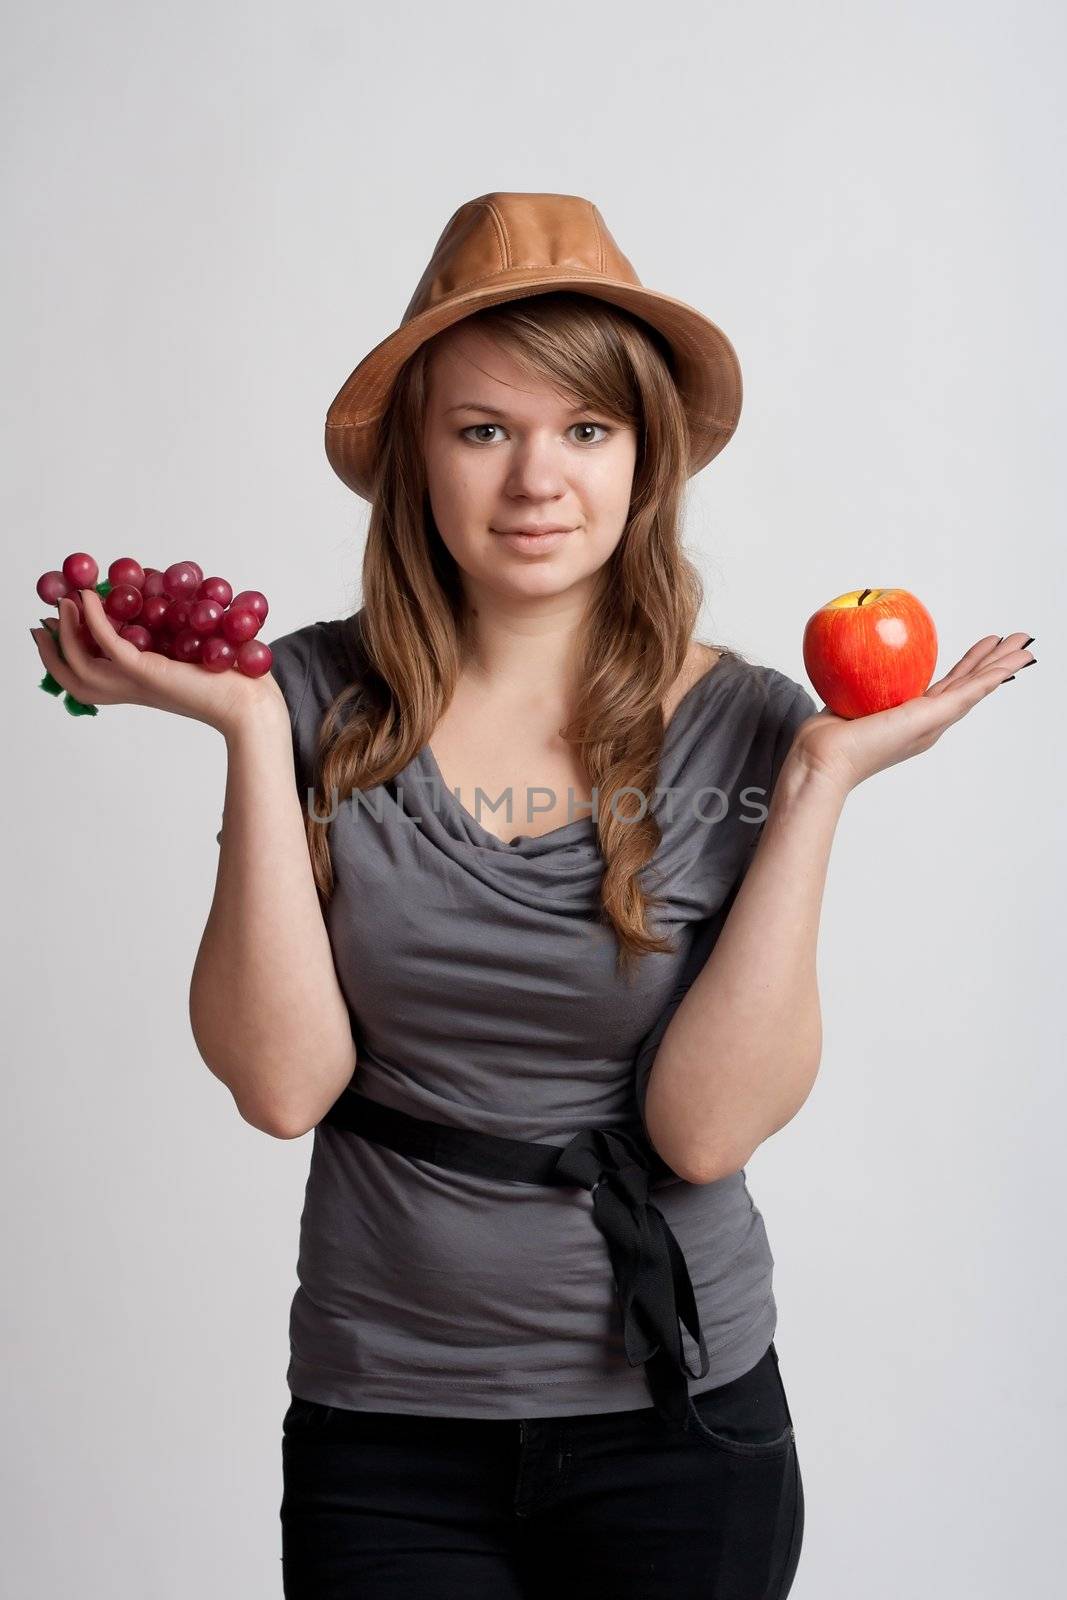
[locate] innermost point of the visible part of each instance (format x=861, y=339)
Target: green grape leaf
x=76, y=708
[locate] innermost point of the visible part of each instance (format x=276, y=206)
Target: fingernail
x=1032, y=663
x=1007, y=680
x=1029, y=641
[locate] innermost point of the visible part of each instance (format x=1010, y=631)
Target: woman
x=533, y=956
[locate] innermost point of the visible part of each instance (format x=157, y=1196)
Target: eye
x=603, y=426
x=464, y=432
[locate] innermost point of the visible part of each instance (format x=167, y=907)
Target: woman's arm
x=267, y=1011
x=741, y=1053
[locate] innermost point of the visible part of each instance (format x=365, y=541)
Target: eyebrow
x=491, y=411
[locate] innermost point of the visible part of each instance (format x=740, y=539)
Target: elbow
x=703, y=1166
x=706, y=1165
x=290, y=1118
x=723, y=1163
x=285, y=1131
x=265, y=1117
x=711, y=1169
x=274, y=1123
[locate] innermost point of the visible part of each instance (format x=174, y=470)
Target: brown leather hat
x=501, y=247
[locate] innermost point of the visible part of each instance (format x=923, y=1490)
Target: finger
x=1012, y=643
x=104, y=631
x=60, y=669
x=966, y=664
x=982, y=680
x=1007, y=665
x=1010, y=654
x=72, y=648
x=985, y=653
x=94, y=672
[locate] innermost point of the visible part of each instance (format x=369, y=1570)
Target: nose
x=535, y=469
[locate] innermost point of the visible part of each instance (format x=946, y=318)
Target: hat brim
x=708, y=373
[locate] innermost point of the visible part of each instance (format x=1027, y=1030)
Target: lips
x=535, y=531
x=534, y=543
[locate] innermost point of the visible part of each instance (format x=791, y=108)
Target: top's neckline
x=579, y=825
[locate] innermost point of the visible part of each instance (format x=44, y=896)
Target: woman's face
x=503, y=452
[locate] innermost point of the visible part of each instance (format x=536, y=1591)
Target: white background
x=211, y=216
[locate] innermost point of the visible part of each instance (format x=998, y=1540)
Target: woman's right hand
x=124, y=675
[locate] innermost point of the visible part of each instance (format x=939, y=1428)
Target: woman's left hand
x=848, y=750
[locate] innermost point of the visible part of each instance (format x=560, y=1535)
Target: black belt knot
x=652, y=1282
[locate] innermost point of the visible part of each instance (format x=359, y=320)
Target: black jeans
x=380, y=1504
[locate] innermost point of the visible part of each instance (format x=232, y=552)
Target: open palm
x=848, y=750
x=124, y=675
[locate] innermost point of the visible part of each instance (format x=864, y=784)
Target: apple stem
x=863, y=597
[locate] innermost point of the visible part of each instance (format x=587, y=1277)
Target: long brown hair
x=636, y=634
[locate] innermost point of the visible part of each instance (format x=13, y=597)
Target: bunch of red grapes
x=176, y=612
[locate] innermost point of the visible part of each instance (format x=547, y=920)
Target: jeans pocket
x=749, y=1416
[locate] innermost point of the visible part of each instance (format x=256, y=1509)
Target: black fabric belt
x=652, y=1283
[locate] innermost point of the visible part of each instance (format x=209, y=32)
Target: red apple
x=870, y=649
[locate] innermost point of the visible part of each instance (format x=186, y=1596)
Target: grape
x=181, y=580
x=215, y=589
x=126, y=571
x=123, y=602
x=239, y=624
x=251, y=600
x=51, y=587
x=154, y=610
x=177, y=616
x=254, y=658
x=204, y=615
x=218, y=655
x=180, y=614
x=80, y=570
x=187, y=645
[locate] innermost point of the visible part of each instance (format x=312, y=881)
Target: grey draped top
x=482, y=988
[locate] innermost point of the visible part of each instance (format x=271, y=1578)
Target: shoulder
x=775, y=703
x=773, y=694
x=314, y=663
x=739, y=710
x=699, y=661
x=788, y=703
x=781, y=707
